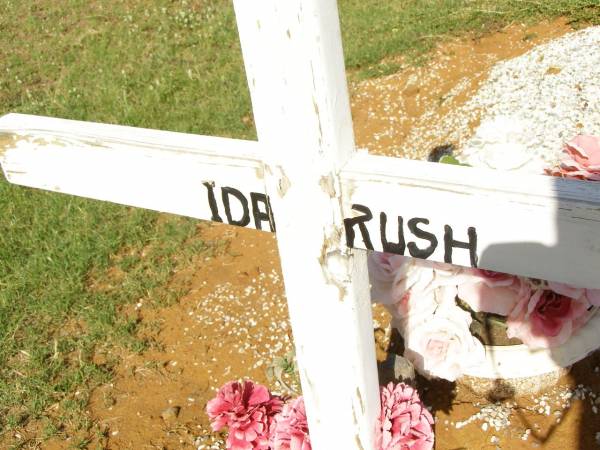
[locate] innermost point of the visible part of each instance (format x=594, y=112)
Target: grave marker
x=305, y=180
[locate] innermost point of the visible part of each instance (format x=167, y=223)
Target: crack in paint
x=260, y=172
x=360, y=400
x=360, y=446
x=283, y=184
x=316, y=106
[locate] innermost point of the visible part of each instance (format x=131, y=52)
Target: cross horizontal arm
x=539, y=226
x=534, y=225
x=170, y=172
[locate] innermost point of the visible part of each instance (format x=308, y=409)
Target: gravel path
x=532, y=104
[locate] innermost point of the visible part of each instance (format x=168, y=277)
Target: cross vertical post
x=295, y=68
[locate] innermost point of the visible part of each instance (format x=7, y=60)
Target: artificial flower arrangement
x=438, y=308
x=435, y=307
x=259, y=420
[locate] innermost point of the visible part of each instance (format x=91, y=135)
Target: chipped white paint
x=158, y=170
x=295, y=68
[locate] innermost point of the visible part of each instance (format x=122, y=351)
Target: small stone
x=403, y=369
x=494, y=440
x=484, y=426
x=170, y=414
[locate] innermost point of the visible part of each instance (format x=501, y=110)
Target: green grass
x=162, y=64
x=168, y=64
x=374, y=31
x=60, y=300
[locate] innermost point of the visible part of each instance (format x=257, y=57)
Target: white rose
x=418, y=305
x=441, y=345
x=414, y=278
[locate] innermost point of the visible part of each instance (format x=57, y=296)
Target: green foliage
x=449, y=159
x=164, y=64
x=283, y=371
x=59, y=300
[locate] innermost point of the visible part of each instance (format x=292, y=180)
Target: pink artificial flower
x=441, y=344
x=417, y=306
x=580, y=159
x=493, y=292
x=421, y=286
x=404, y=422
x=592, y=296
x=547, y=319
x=382, y=271
x=289, y=430
x=413, y=278
x=247, y=409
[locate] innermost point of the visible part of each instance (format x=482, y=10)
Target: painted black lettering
x=264, y=215
x=245, y=219
x=415, y=251
x=212, y=201
x=391, y=247
x=360, y=221
x=450, y=243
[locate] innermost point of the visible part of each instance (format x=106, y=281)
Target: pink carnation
x=289, y=430
x=247, y=409
x=493, y=292
x=404, y=422
x=547, y=319
x=580, y=159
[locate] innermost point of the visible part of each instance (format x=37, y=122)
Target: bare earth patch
x=231, y=324
x=409, y=113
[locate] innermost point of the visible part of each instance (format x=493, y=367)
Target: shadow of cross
x=305, y=177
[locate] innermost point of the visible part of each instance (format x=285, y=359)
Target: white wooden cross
x=305, y=178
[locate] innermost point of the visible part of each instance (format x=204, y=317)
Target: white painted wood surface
x=538, y=226
x=158, y=170
x=535, y=225
x=295, y=68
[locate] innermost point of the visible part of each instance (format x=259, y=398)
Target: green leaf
x=449, y=159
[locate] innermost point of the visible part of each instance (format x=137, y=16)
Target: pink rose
x=546, y=320
x=382, y=271
x=493, y=292
x=592, y=296
x=247, y=409
x=289, y=430
x=580, y=159
x=404, y=422
x=393, y=276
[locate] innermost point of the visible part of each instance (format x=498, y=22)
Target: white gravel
x=532, y=104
